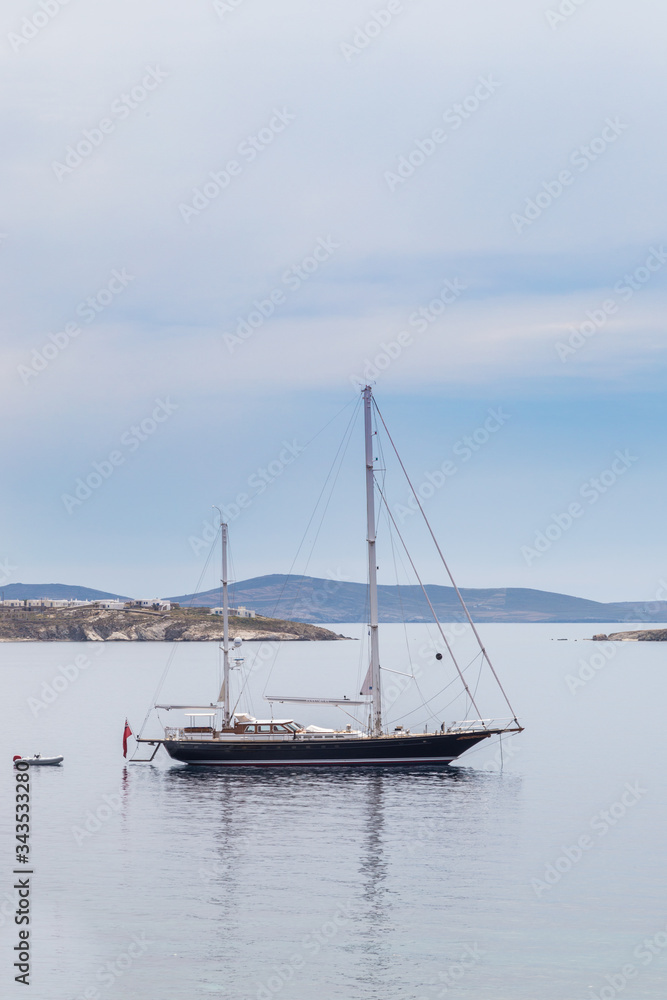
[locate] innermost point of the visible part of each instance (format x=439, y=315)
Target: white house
x=239, y=612
x=111, y=605
x=45, y=602
x=150, y=602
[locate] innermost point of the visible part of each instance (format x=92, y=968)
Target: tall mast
x=225, y=629
x=224, y=690
x=376, y=693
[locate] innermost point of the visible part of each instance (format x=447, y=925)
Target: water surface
x=374, y=883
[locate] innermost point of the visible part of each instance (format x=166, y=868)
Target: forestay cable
x=428, y=599
x=444, y=563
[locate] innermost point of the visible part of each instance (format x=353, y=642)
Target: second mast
x=376, y=692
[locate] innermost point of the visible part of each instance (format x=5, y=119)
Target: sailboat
x=220, y=736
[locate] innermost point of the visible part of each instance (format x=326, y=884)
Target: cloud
x=225, y=77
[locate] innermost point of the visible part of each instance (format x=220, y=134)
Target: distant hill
x=317, y=601
x=55, y=591
x=310, y=599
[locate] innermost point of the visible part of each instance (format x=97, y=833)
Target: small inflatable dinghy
x=38, y=759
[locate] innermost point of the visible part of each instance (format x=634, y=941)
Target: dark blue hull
x=423, y=748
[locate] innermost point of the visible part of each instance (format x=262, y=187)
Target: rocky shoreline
x=642, y=635
x=178, y=625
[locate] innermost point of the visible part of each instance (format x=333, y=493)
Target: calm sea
x=531, y=870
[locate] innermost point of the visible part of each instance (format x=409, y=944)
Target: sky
x=220, y=218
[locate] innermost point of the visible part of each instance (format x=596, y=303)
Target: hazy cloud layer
x=230, y=203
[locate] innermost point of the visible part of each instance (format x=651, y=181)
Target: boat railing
x=206, y=733
x=188, y=733
x=475, y=725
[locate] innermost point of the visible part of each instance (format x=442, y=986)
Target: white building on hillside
x=152, y=603
x=239, y=612
x=46, y=602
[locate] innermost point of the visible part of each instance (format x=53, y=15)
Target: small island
x=95, y=624
x=642, y=635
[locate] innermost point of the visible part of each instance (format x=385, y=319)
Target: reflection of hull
x=423, y=748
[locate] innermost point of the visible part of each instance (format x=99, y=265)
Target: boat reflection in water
x=341, y=879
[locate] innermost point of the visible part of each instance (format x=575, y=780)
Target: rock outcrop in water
x=642, y=635
x=178, y=625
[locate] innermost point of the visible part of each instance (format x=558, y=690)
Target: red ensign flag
x=127, y=732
